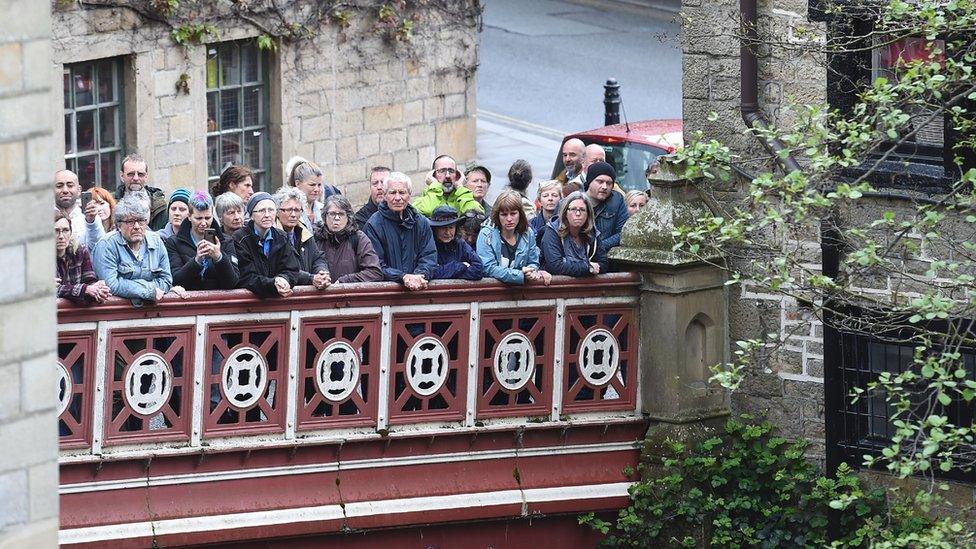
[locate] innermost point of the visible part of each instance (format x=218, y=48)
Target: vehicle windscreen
x=628, y=159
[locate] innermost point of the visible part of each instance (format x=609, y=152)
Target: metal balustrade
x=229, y=371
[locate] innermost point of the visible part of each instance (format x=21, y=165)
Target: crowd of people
x=140, y=245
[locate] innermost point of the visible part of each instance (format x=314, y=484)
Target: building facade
x=342, y=91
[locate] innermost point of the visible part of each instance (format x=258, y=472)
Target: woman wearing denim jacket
x=133, y=260
x=507, y=247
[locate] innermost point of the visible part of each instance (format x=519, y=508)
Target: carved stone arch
x=700, y=351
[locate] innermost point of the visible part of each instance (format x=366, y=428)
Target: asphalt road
x=544, y=62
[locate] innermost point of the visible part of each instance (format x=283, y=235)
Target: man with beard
x=573, y=151
x=401, y=236
x=592, y=154
x=376, y=177
x=609, y=207
x=445, y=188
x=85, y=228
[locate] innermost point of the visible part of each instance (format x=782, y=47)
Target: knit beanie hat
x=597, y=169
x=255, y=198
x=180, y=195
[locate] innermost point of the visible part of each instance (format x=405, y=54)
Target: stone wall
x=791, y=392
x=346, y=98
x=28, y=462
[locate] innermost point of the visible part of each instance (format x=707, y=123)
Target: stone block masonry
x=345, y=98
x=28, y=428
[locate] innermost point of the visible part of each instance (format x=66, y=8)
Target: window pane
x=107, y=122
x=258, y=181
x=68, y=147
x=86, y=130
x=230, y=65
x=213, y=158
x=252, y=149
x=230, y=149
x=87, y=167
x=83, y=85
x=106, y=84
x=109, y=170
x=250, y=57
x=212, y=81
x=252, y=107
x=212, y=111
x=890, y=59
x=230, y=110
x=67, y=89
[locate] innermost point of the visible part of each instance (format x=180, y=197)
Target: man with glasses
x=445, y=187
x=133, y=261
x=268, y=265
x=135, y=177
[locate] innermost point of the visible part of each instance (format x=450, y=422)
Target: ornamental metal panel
x=339, y=372
x=600, y=372
x=428, y=367
x=515, y=362
x=245, y=378
x=75, y=378
x=147, y=378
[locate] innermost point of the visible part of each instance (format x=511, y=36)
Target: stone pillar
x=28, y=426
x=683, y=305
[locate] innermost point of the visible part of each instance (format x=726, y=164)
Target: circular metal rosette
x=427, y=366
x=65, y=388
x=148, y=384
x=337, y=371
x=599, y=357
x=244, y=377
x=514, y=361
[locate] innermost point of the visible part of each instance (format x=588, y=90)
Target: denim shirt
x=490, y=251
x=131, y=277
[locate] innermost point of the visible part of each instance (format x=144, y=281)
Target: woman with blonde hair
x=635, y=200
x=507, y=246
x=571, y=244
x=307, y=177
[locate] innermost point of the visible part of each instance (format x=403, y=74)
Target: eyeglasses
x=136, y=174
x=290, y=210
x=445, y=171
x=577, y=210
x=265, y=211
x=133, y=222
x=336, y=215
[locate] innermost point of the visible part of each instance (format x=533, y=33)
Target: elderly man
x=86, y=229
x=134, y=177
x=445, y=188
x=376, y=177
x=573, y=151
x=609, y=207
x=201, y=257
x=401, y=236
x=592, y=154
x=133, y=260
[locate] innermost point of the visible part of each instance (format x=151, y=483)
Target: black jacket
x=257, y=271
x=310, y=259
x=364, y=213
x=222, y=275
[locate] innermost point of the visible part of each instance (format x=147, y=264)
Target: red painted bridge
x=468, y=414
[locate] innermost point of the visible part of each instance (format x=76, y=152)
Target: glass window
x=889, y=59
x=237, y=109
x=93, y=125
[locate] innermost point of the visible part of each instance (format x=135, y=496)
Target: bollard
x=611, y=102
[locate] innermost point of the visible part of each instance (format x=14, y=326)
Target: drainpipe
x=749, y=84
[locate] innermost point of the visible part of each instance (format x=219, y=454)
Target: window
x=93, y=121
x=237, y=109
x=925, y=161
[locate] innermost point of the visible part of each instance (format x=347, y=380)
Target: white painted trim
x=201, y=367
x=149, y=322
x=77, y=327
x=517, y=304
x=291, y=380
x=557, y=360
x=800, y=377
x=320, y=513
x=383, y=385
x=326, y=314
x=317, y=468
x=98, y=399
x=474, y=333
x=241, y=318
x=431, y=308
x=577, y=301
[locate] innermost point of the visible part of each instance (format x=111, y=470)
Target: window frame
x=97, y=107
x=263, y=173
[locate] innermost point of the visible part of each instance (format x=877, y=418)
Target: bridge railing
x=225, y=370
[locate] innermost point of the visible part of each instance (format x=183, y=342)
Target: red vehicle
x=631, y=147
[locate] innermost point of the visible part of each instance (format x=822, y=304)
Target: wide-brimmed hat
x=443, y=216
